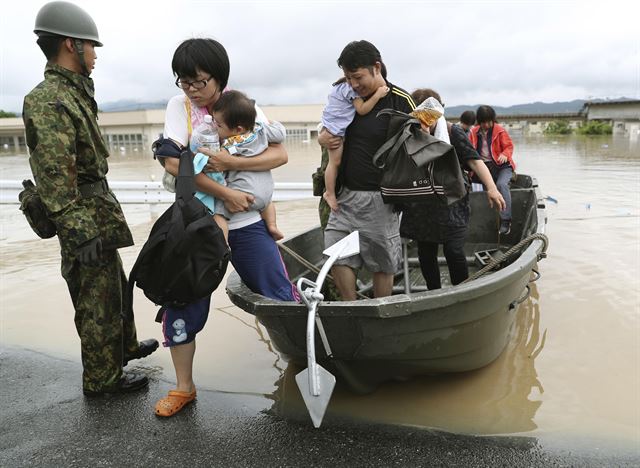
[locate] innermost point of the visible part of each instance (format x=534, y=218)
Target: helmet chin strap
x=79, y=43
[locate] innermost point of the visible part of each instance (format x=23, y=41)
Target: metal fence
x=132, y=192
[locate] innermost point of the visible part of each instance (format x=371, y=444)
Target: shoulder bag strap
x=187, y=105
x=391, y=146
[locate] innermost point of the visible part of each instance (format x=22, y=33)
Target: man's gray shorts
x=380, y=247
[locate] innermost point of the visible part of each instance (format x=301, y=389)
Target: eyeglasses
x=185, y=85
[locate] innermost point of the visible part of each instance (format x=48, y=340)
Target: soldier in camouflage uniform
x=68, y=161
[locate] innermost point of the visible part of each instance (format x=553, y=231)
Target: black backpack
x=186, y=255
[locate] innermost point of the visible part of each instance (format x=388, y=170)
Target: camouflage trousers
x=329, y=288
x=323, y=213
x=323, y=209
x=97, y=293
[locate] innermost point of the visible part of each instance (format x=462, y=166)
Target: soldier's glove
x=89, y=253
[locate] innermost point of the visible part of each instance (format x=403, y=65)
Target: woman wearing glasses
x=201, y=67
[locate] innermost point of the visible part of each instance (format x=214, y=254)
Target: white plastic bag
x=442, y=133
x=429, y=112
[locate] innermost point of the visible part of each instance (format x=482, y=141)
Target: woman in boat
x=431, y=225
x=493, y=143
x=201, y=67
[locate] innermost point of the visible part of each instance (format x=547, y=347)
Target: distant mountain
x=565, y=107
x=568, y=107
x=124, y=105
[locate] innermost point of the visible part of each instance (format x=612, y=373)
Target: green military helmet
x=68, y=20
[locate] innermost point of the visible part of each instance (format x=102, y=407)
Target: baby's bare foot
x=275, y=232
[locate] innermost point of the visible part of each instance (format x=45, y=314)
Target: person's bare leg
x=182, y=357
x=269, y=216
x=345, y=279
x=221, y=221
x=382, y=284
x=330, y=176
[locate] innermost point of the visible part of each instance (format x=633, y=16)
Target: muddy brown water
x=571, y=369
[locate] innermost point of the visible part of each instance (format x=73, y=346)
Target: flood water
x=571, y=370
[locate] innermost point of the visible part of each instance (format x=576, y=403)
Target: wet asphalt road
x=46, y=421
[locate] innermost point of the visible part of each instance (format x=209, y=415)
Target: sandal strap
x=181, y=394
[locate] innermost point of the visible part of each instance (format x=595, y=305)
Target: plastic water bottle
x=206, y=135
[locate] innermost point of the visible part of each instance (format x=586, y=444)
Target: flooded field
x=571, y=370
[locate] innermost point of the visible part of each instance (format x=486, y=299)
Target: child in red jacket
x=495, y=147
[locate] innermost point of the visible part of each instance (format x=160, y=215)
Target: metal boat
x=414, y=331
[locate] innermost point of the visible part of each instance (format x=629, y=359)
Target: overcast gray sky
x=284, y=52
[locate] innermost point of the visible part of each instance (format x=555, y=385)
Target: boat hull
x=453, y=329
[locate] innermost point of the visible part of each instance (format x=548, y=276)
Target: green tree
x=558, y=127
x=5, y=114
x=595, y=127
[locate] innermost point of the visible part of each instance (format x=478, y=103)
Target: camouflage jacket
x=66, y=150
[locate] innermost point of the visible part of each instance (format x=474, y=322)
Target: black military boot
x=129, y=382
x=145, y=348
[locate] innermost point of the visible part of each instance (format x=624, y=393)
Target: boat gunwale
x=398, y=305
x=387, y=307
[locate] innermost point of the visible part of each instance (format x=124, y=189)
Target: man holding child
x=360, y=204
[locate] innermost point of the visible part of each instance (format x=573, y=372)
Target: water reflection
x=261, y=334
x=585, y=369
x=500, y=398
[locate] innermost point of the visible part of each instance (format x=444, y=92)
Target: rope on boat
x=307, y=264
x=513, y=250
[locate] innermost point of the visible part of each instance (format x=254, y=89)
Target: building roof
x=137, y=117
x=557, y=115
x=11, y=123
x=613, y=101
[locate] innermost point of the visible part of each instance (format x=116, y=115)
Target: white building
x=142, y=127
x=624, y=116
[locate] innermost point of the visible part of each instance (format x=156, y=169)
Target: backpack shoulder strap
x=185, y=185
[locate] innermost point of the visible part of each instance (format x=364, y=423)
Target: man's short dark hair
x=207, y=55
x=468, y=117
x=383, y=72
x=237, y=110
x=419, y=95
x=485, y=114
x=359, y=54
x=50, y=45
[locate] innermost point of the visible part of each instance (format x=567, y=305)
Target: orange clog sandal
x=174, y=402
